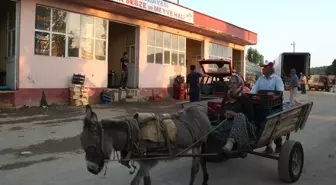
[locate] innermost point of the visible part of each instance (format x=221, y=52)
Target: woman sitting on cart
x=238, y=111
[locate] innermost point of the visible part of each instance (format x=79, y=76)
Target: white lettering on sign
x=161, y=7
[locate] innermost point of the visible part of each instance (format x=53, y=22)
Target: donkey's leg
x=204, y=166
x=143, y=172
x=136, y=180
x=147, y=167
x=195, y=165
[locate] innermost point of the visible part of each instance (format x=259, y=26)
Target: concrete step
x=118, y=94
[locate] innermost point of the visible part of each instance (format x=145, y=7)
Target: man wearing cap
x=272, y=82
x=269, y=81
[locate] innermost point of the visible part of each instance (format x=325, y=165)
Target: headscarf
x=234, y=95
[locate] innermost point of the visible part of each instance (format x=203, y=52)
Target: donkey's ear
x=136, y=115
x=88, y=111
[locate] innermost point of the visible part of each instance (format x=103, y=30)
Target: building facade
x=49, y=40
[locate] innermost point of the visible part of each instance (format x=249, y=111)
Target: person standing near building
x=124, y=71
x=293, y=86
x=193, y=84
x=303, y=83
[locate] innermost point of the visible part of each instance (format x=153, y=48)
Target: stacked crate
x=79, y=95
x=78, y=92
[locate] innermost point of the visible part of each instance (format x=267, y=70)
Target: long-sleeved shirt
x=272, y=83
x=242, y=105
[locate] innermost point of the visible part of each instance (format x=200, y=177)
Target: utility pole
x=178, y=2
x=293, y=44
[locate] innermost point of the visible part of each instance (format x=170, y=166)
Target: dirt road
x=51, y=135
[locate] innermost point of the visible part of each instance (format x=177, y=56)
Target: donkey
x=100, y=138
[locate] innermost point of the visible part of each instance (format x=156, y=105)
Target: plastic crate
x=214, y=108
x=78, y=79
x=266, y=100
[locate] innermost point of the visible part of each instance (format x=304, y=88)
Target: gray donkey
x=100, y=138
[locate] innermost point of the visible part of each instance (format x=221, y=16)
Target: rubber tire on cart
x=291, y=160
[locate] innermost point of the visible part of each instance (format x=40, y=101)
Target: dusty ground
x=52, y=137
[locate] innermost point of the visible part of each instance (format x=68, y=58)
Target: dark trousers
x=123, y=78
x=194, y=96
x=278, y=141
x=303, y=89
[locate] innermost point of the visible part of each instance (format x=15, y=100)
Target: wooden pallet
x=79, y=95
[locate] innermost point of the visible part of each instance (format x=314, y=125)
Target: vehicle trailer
x=287, y=61
x=319, y=82
x=217, y=73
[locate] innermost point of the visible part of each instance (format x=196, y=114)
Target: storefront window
x=42, y=41
x=182, y=43
x=182, y=58
x=71, y=34
x=59, y=19
x=165, y=48
x=86, y=26
x=174, y=58
x=166, y=57
x=217, y=51
x=100, y=52
x=174, y=42
x=73, y=26
x=101, y=25
x=73, y=47
x=87, y=48
x=151, y=37
x=150, y=54
x=158, y=55
x=167, y=40
x=158, y=38
x=42, y=18
x=58, y=45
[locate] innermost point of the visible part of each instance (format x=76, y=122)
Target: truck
x=292, y=60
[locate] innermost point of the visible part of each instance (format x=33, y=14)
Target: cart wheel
x=291, y=161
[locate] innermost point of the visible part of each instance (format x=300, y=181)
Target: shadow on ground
x=49, y=146
x=17, y=165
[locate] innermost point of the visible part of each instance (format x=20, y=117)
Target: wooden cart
x=291, y=157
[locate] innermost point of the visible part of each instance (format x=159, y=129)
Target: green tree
x=254, y=56
x=331, y=70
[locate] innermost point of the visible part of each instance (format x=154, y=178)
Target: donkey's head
x=97, y=146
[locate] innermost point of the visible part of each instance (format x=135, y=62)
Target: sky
x=311, y=24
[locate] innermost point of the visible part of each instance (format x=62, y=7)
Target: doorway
x=237, y=60
x=122, y=38
x=194, y=54
x=8, y=46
